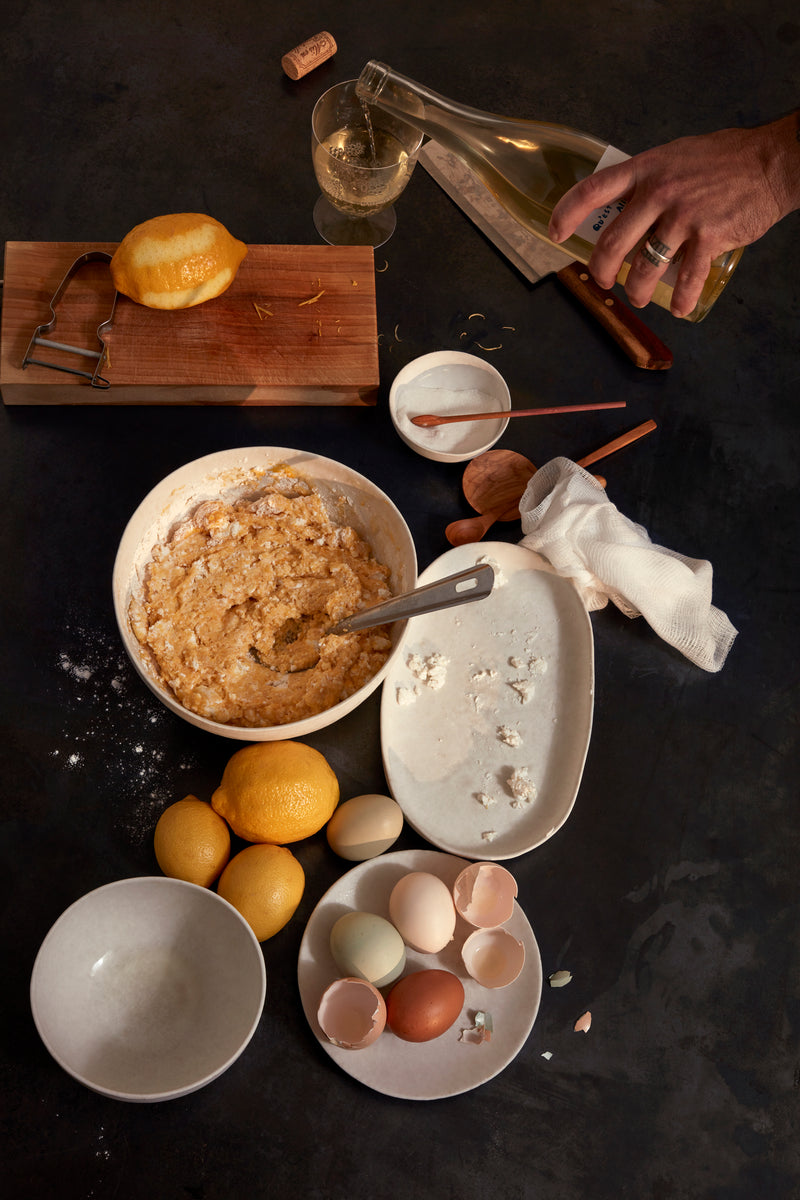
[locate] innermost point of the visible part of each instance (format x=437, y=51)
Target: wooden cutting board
x=297, y=326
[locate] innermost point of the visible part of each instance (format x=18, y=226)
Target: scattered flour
x=121, y=723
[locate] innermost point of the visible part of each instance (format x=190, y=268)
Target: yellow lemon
x=276, y=792
x=192, y=842
x=176, y=261
x=265, y=884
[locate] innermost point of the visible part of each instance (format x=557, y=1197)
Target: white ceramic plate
x=444, y=1066
x=448, y=752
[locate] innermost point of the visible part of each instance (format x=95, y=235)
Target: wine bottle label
x=593, y=225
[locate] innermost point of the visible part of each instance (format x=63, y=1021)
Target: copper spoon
x=428, y=420
x=495, y=481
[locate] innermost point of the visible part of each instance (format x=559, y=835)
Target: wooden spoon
x=429, y=420
x=495, y=481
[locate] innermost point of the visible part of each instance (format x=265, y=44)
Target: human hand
x=699, y=195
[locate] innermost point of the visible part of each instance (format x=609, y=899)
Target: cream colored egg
x=421, y=907
x=364, y=827
x=369, y=947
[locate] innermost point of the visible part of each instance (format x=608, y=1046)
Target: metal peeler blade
x=39, y=338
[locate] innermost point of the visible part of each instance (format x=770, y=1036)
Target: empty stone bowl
x=147, y=989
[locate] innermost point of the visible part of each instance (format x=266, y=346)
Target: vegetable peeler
x=38, y=339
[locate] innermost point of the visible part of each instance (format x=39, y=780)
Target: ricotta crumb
x=489, y=835
x=524, y=688
x=499, y=577
x=484, y=675
x=485, y=799
x=406, y=695
x=432, y=671
x=521, y=786
x=509, y=735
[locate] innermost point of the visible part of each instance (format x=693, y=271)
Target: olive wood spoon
x=494, y=483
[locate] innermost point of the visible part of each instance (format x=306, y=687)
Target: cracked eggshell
x=368, y=946
x=422, y=909
x=364, y=827
x=484, y=894
x=352, y=1013
x=493, y=957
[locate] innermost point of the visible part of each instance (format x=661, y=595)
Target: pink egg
x=422, y=910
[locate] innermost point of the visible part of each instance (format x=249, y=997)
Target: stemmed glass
x=363, y=158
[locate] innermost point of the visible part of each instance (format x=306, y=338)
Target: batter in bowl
x=239, y=596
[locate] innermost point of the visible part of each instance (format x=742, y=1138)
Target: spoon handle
x=470, y=529
x=462, y=588
x=624, y=439
x=428, y=420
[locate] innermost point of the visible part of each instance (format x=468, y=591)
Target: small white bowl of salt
x=448, y=383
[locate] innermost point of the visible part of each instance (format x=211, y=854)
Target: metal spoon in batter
x=297, y=642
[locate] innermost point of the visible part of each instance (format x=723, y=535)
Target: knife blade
x=536, y=259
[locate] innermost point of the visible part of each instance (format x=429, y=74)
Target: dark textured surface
x=672, y=892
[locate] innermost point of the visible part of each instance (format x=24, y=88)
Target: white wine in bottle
x=527, y=166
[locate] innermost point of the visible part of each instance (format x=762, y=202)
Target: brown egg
x=421, y=1006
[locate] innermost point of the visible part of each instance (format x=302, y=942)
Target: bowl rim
x=162, y=882
x=125, y=566
x=437, y=358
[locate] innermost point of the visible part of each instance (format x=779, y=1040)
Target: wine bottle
x=527, y=165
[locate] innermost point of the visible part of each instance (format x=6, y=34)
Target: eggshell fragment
x=369, y=947
x=493, y=957
x=423, y=1005
x=352, y=1013
x=364, y=827
x=484, y=894
x=422, y=909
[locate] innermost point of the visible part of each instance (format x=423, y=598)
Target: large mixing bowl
x=350, y=499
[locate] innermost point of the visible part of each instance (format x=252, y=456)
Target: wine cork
x=308, y=55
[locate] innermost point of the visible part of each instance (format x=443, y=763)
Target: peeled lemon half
x=176, y=261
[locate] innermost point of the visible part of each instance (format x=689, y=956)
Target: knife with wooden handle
x=536, y=258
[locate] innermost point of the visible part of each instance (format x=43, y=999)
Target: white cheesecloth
x=569, y=520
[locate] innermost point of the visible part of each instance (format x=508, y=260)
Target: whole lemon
x=265, y=884
x=276, y=792
x=192, y=842
x=176, y=261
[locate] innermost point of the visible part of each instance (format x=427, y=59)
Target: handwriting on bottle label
x=604, y=216
x=593, y=225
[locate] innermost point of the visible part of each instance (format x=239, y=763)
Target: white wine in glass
x=363, y=160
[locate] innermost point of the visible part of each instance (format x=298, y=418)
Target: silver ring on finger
x=656, y=251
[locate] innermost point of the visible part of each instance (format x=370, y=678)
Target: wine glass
x=363, y=158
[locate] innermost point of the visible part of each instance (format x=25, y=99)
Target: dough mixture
x=235, y=606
